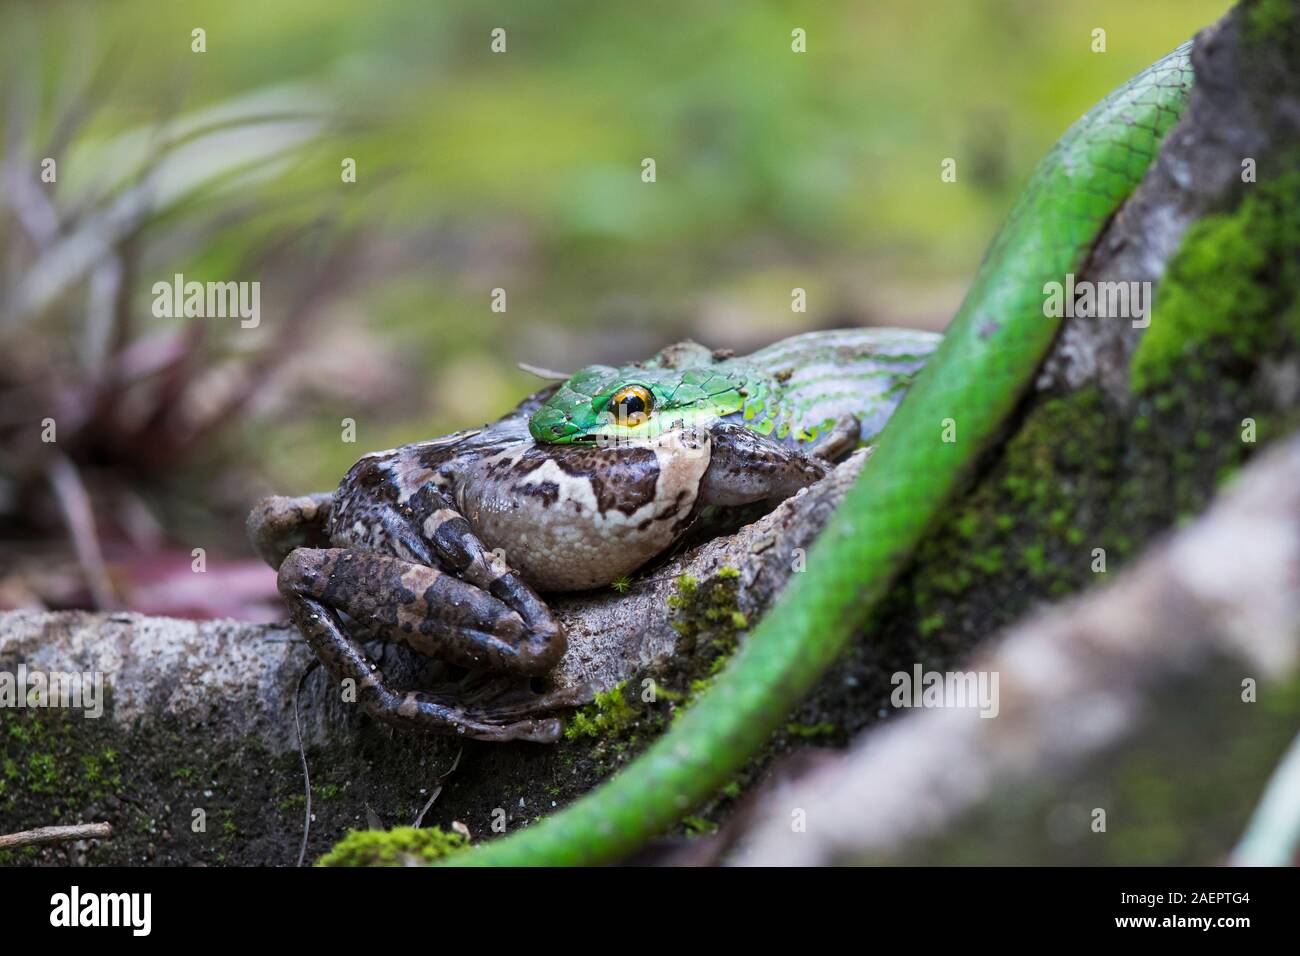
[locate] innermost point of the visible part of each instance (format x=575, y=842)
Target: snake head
x=634, y=403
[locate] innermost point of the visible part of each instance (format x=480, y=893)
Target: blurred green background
x=521, y=171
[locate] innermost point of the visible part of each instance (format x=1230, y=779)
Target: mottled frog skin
x=444, y=545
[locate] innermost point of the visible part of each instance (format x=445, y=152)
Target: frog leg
x=412, y=710
x=433, y=612
x=454, y=545
x=745, y=467
x=277, y=525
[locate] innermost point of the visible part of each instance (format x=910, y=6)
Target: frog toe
x=277, y=525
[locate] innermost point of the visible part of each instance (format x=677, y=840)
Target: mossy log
x=195, y=756
x=1133, y=725
x=1132, y=431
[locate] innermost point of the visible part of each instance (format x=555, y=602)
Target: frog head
x=634, y=403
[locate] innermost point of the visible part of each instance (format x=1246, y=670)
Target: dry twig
x=43, y=835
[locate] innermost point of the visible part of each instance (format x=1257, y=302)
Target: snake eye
x=632, y=404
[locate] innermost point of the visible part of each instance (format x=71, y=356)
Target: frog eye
x=632, y=404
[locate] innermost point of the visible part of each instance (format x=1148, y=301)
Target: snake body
x=967, y=390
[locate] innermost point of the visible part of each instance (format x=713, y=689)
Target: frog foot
x=518, y=697
x=434, y=613
x=277, y=525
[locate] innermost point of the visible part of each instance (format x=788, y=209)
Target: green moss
x=618, y=723
x=931, y=623
x=294, y=801
x=698, y=826
x=709, y=622
x=1230, y=290
x=1025, y=527
x=400, y=846
x=42, y=773
x=1078, y=476
x=1271, y=21
x=19, y=732
x=686, y=586
x=1084, y=483
x=1081, y=474
x=710, y=609
x=609, y=715
x=808, y=731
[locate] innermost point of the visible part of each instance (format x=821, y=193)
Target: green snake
x=954, y=410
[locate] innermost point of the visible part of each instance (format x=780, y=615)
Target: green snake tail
x=987, y=359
